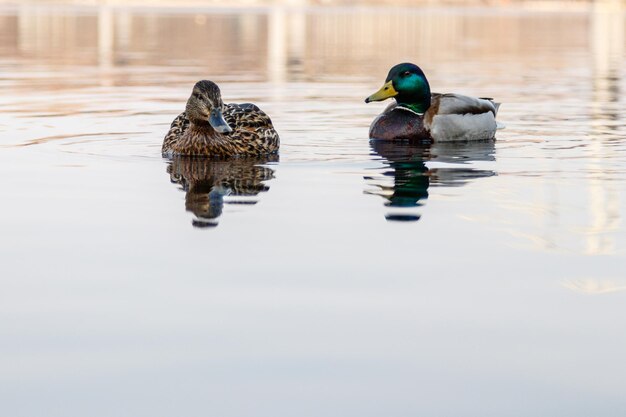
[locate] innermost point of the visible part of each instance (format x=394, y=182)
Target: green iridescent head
x=408, y=85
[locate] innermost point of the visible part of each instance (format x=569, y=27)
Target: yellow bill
x=384, y=93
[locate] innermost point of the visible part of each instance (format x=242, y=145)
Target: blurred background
x=307, y=38
x=551, y=4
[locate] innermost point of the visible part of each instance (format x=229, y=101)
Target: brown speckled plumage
x=191, y=133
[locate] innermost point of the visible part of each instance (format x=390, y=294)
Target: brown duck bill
x=217, y=122
x=385, y=92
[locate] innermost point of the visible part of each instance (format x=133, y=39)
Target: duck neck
x=416, y=98
x=417, y=104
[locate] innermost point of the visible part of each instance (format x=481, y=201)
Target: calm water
x=342, y=279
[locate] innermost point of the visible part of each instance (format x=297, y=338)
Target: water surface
x=341, y=279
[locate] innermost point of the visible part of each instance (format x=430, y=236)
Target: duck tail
x=495, y=105
x=499, y=125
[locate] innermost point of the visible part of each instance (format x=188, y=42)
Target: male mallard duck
x=420, y=115
x=208, y=127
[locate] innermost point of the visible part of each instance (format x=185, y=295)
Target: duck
x=209, y=127
x=419, y=115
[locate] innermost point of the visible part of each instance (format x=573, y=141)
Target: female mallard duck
x=420, y=115
x=208, y=127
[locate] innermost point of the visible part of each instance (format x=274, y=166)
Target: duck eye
x=406, y=73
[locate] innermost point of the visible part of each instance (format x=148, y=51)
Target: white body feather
x=463, y=127
x=463, y=118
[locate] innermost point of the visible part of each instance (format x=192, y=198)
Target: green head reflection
x=406, y=175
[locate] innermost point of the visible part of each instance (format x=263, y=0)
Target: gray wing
x=460, y=104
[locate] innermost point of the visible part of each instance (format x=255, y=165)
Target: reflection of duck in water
x=207, y=183
x=406, y=164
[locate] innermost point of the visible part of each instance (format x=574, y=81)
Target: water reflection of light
x=607, y=46
x=106, y=34
x=595, y=286
x=277, y=48
x=273, y=41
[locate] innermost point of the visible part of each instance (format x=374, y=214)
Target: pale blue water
x=345, y=278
